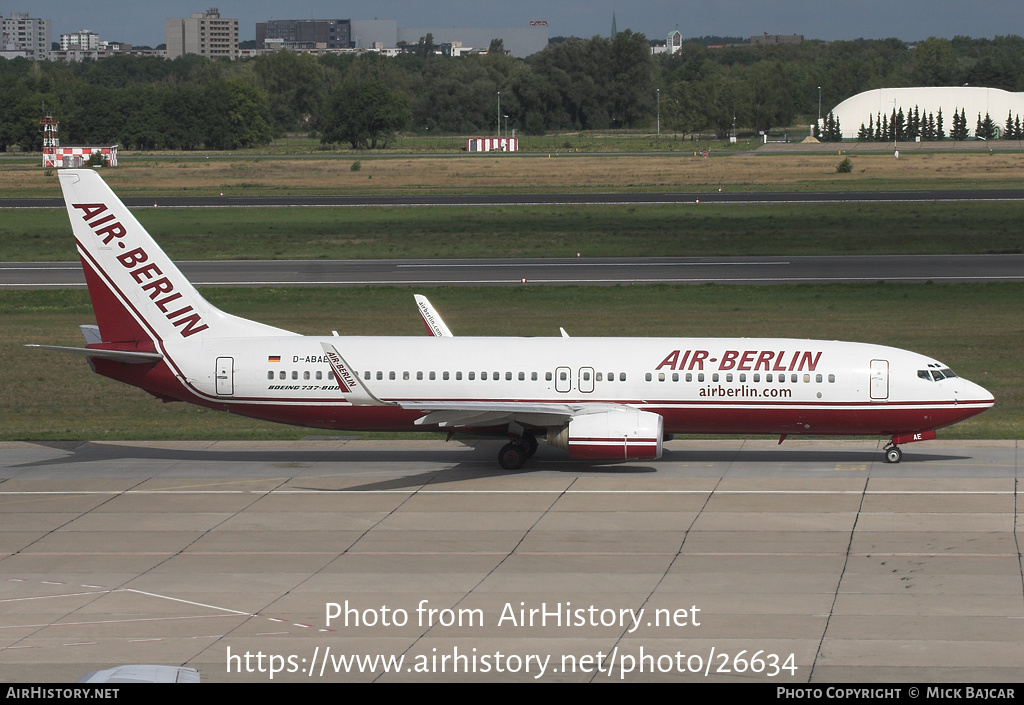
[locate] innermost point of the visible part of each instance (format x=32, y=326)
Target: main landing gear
x=513, y=455
x=892, y=453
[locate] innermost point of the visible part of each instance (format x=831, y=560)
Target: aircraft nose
x=970, y=392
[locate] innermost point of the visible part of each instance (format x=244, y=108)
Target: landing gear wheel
x=893, y=454
x=530, y=441
x=512, y=456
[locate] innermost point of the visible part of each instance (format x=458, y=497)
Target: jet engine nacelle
x=622, y=434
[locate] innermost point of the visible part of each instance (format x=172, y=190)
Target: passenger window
x=305, y=375
x=433, y=375
x=832, y=378
x=768, y=377
x=757, y=376
x=714, y=377
x=689, y=376
x=472, y=375
x=675, y=376
x=391, y=375
x=547, y=376
x=661, y=376
x=648, y=377
x=270, y=375
x=282, y=375
x=522, y=376
x=319, y=374
x=458, y=375
x=817, y=378
x=380, y=375
x=419, y=375
x=622, y=376
x=533, y=376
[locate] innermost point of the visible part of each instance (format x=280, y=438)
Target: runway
x=572, y=271
x=728, y=560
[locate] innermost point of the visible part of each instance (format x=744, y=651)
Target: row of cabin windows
x=281, y=374
x=741, y=377
x=484, y=375
x=496, y=376
x=564, y=376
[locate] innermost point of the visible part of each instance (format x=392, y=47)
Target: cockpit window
x=936, y=373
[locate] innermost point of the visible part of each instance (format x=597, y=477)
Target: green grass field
x=545, y=231
x=977, y=329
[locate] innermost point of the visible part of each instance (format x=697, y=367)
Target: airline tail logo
x=147, y=274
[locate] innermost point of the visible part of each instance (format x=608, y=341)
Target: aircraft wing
x=454, y=414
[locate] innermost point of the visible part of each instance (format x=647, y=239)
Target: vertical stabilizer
x=136, y=290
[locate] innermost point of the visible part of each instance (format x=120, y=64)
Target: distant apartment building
x=83, y=39
x=203, y=33
x=21, y=35
x=311, y=34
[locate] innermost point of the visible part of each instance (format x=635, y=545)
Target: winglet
x=431, y=318
x=351, y=386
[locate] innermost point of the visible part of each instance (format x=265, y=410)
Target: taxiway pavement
x=813, y=561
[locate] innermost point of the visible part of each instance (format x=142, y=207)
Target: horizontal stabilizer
x=129, y=356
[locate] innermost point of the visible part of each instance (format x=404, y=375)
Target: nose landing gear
x=893, y=454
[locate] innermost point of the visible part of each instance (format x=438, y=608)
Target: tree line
x=573, y=84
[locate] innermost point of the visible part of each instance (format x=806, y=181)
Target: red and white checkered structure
x=492, y=144
x=79, y=156
x=56, y=156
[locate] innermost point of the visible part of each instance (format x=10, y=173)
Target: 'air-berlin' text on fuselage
x=743, y=360
x=159, y=288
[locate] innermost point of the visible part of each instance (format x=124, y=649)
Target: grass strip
x=546, y=231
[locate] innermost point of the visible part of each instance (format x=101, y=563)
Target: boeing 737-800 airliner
x=598, y=398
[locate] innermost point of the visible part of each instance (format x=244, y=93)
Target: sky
x=141, y=22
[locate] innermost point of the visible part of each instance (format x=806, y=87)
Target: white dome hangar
x=867, y=106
